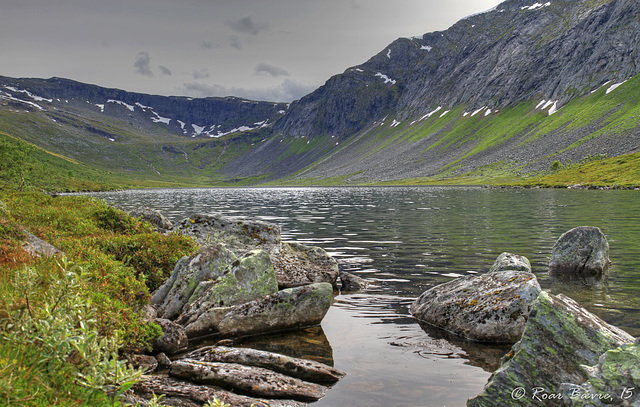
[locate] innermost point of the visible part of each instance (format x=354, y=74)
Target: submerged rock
x=287, y=309
x=493, y=307
x=581, y=253
x=560, y=337
x=351, y=282
x=509, y=261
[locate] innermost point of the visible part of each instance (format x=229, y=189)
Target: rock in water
x=287, y=309
x=582, y=252
x=489, y=308
x=560, y=337
x=509, y=261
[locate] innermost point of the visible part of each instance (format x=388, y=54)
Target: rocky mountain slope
x=511, y=90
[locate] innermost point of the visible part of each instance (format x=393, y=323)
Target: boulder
x=249, y=278
x=582, y=252
x=173, y=339
x=509, y=261
x=155, y=218
x=351, y=282
x=493, y=307
x=295, y=264
x=560, y=337
x=287, y=309
x=206, y=265
x=37, y=247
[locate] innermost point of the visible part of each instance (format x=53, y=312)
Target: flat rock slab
x=291, y=308
x=489, y=308
x=303, y=369
x=178, y=393
x=560, y=338
x=252, y=381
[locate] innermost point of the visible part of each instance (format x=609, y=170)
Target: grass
x=81, y=309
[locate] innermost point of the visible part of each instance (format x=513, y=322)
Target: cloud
x=247, y=25
x=202, y=74
x=268, y=69
x=142, y=64
x=288, y=91
x=165, y=71
x=208, y=45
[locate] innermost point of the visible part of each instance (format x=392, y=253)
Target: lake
x=406, y=240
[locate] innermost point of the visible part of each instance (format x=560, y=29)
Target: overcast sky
x=275, y=50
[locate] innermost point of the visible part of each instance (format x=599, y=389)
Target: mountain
x=509, y=91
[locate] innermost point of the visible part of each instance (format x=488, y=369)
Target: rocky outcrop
x=509, y=261
x=155, y=218
x=581, y=253
x=37, y=247
x=295, y=264
x=560, y=338
x=493, y=307
x=173, y=340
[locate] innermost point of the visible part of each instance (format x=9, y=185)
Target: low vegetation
x=66, y=320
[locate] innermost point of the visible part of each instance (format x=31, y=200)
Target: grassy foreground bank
x=65, y=319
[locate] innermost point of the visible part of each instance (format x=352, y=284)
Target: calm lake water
x=406, y=240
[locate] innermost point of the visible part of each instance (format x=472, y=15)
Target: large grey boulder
x=184, y=285
x=510, y=261
x=560, y=337
x=582, y=252
x=287, y=309
x=489, y=308
x=249, y=278
x=295, y=264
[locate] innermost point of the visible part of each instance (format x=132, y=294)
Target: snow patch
x=478, y=111
x=386, y=78
x=160, y=119
x=554, y=108
x=600, y=87
x=427, y=48
x=536, y=6
x=101, y=106
x=487, y=113
x=389, y=53
x=445, y=113
x=395, y=123
x=426, y=116
x=121, y=103
x=614, y=87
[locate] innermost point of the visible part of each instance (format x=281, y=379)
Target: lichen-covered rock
x=184, y=285
x=489, y=308
x=582, y=252
x=173, y=340
x=560, y=337
x=297, y=265
x=509, y=261
x=615, y=380
x=155, y=218
x=287, y=309
x=249, y=278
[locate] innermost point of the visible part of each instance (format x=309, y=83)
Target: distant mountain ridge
x=509, y=91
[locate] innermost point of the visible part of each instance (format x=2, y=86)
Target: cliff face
x=518, y=51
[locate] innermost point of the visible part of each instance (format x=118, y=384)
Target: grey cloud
x=202, y=74
x=289, y=90
x=142, y=64
x=208, y=45
x=247, y=25
x=272, y=70
x=165, y=71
